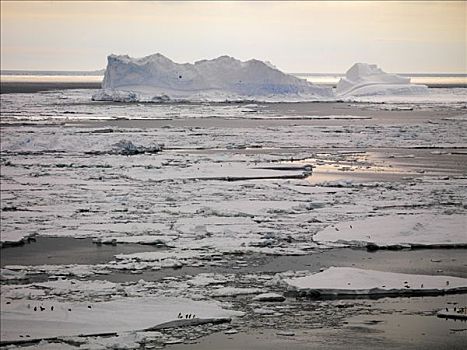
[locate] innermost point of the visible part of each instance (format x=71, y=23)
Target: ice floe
x=234, y=291
x=418, y=230
x=50, y=319
x=455, y=313
x=348, y=281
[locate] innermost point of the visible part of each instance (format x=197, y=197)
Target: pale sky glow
x=295, y=36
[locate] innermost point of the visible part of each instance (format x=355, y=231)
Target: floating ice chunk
x=269, y=297
x=400, y=230
x=7, y=274
x=286, y=333
x=78, y=270
x=156, y=78
x=458, y=312
x=160, y=255
x=127, y=148
x=205, y=279
x=353, y=281
x=14, y=237
x=263, y=311
x=233, y=291
x=368, y=79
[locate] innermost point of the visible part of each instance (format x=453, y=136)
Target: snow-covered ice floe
x=14, y=237
x=349, y=281
x=399, y=231
x=156, y=78
x=367, y=79
x=457, y=312
x=26, y=320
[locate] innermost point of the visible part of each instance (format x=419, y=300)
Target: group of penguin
x=187, y=316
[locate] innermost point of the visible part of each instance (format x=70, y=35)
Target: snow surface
x=353, y=281
x=158, y=79
x=367, y=79
x=126, y=314
x=399, y=230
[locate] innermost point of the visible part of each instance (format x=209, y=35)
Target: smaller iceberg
x=364, y=79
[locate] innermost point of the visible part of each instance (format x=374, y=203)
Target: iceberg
x=364, y=79
x=156, y=78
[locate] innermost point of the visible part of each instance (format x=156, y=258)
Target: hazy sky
x=295, y=36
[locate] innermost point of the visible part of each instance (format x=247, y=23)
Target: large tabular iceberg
x=157, y=78
x=367, y=79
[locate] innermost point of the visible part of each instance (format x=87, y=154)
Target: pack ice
x=363, y=79
x=156, y=78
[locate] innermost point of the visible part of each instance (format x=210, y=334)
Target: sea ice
x=367, y=79
x=353, y=281
x=399, y=230
x=156, y=78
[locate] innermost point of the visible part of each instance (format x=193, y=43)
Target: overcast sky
x=295, y=36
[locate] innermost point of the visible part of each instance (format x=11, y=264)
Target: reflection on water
x=413, y=321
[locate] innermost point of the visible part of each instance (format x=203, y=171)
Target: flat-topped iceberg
x=364, y=79
x=158, y=79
